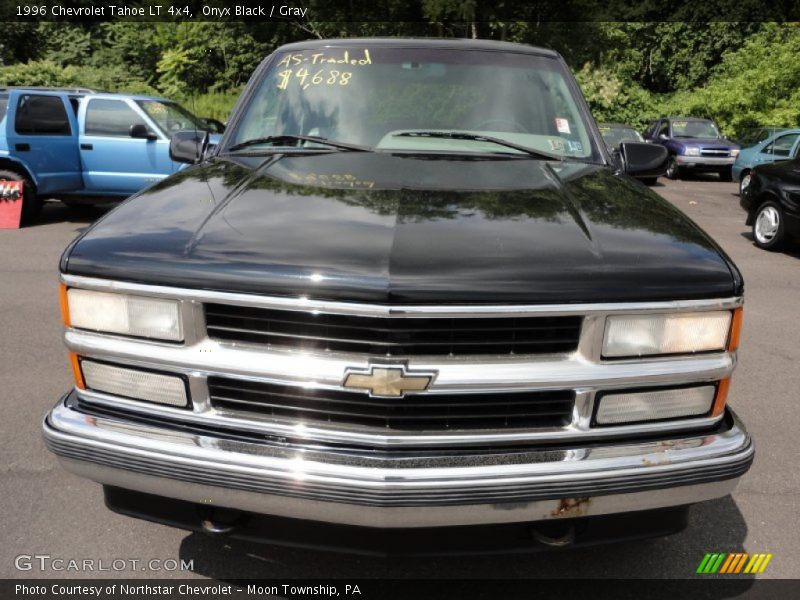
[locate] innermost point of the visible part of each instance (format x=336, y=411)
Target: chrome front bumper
x=403, y=489
x=705, y=161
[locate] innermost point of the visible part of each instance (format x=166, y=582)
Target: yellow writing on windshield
x=306, y=78
x=320, y=68
x=357, y=58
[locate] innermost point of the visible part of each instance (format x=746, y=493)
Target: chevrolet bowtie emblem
x=388, y=381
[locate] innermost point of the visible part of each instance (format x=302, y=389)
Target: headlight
x=680, y=333
x=134, y=383
x=692, y=151
x=655, y=405
x=138, y=316
x=735, y=152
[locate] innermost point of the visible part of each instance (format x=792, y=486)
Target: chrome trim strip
x=402, y=311
x=108, y=449
x=703, y=161
x=327, y=371
x=317, y=432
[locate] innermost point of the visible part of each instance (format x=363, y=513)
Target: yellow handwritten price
x=306, y=79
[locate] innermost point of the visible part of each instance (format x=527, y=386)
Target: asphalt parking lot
x=44, y=510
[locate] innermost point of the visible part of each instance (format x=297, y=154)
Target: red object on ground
x=10, y=204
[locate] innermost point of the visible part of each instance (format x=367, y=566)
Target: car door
x=42, y=133
x=115, y=162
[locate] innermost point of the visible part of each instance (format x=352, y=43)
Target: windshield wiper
x=279, y=139
x=463, y=135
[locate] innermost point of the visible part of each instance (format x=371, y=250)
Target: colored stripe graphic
x=734, y=563
x=727, y=564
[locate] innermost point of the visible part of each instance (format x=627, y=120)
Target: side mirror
x=186, y=146
x=140, y=131
x=663, y=136
x=643, y=160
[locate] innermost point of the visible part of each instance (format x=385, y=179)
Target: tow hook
x=557, y=537
x=219, y=521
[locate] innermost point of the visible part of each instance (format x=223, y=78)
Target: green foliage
x=50, y=74
x=758, y=84
x=19, y=42
x=615, y=100
x=216, y=105
x=742, y=73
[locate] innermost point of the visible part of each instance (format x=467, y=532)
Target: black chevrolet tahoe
x=409, y=294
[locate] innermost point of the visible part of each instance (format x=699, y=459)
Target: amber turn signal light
x=63, y=300
x=76, y=371
x=721, y=398
x=736, y=329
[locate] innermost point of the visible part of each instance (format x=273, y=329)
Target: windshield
x=385, y=98
x=695, y=129
x=171, y=117
x=614, y=136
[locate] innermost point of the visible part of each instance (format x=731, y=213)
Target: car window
x=614, y=136
x=3, y=105
x=380, y=97
x=110, y=118
x=782, y=147
x=41, y=115
x=664, y=129
x=171, y=117
x=694, y=128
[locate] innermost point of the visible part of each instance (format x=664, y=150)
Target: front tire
x=769, y=226
x=31, y=203
x=673, y=170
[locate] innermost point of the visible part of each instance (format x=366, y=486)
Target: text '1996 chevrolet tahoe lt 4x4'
x=409, y=293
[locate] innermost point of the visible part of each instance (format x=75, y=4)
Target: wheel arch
x=12, y=164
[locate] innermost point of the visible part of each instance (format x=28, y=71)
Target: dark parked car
x=772, y=202
x=410, y=293
x=616, y=133
x=694, y=145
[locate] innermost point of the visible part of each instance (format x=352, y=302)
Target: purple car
x=695, y=145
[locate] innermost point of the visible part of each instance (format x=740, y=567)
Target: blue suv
x=694, y=145
x=85, y=147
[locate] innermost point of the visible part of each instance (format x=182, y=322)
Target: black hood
x=400, y=229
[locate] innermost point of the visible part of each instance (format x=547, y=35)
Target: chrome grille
x=413, y=412
x=719, y=152
x=387, y=336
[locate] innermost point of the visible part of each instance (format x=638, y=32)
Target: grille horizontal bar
x=393, y=336
x=413, y=412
